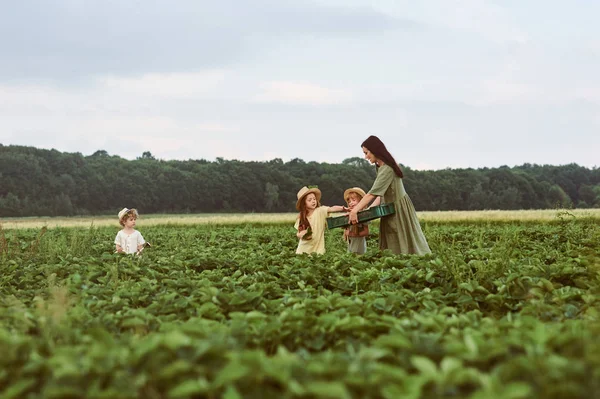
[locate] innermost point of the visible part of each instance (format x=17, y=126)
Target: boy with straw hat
x=129, y=240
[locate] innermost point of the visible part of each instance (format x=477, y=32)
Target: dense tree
x=48, y=182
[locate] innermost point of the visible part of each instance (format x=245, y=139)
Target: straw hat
x=304, y=191
x=356, y=190
x=124, y=211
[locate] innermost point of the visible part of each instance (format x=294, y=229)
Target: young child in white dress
x=129, y=240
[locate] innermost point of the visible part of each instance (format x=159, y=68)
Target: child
x=311, y=221
x=129, y=240
x=356, y=234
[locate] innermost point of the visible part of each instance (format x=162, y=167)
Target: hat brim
x=356, y=190
x=123, y=212
x=126, y=211
x=315, y=191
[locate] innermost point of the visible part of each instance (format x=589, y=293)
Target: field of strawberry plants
x=499, y=310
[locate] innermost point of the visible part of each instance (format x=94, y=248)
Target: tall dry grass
x=275, y=218
x=507, y=216
x=148, y=220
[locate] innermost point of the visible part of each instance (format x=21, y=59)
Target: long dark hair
x=378, y=149
x=303, y=215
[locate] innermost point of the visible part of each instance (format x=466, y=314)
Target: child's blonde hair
x=359, y=192
x=126, y=214
x=358, y=196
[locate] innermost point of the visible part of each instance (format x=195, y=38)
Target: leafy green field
x=500, y=310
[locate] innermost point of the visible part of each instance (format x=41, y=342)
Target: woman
x=401, y=231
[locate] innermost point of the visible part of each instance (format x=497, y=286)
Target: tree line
x=39, y=182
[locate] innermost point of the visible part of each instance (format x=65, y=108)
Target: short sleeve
x=117, y=238
x=385, y=176
x=297, y=224
x=321, y=212
x=140, y=239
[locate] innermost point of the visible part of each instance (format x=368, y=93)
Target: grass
x=504, y=216
x=277, y=218
x=149, y=220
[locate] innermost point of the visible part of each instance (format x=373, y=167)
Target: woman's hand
x=353, y=216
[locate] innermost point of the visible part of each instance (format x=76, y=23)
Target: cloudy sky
x=464, y=83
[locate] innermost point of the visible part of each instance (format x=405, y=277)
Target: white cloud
x=13, y=97
x=481, y=17
x=591, y=94
x=166, y=84
x=467, y=73
x=156, y=145
x=499, y=91
x=215, y=128
x=138, y=111
x=302, y=93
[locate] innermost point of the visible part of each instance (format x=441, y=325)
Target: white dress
x=129, y=242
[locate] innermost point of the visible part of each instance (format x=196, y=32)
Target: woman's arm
x=385, y=176
x=376, y=202
x=353, y=215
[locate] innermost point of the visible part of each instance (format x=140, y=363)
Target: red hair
x=303, y=215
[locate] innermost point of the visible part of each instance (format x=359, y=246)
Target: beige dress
x=318, y=221
x=400, y=232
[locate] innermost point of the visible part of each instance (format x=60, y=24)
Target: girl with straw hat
x=312, y=220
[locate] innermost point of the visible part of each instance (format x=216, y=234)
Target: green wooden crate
x=374, y=212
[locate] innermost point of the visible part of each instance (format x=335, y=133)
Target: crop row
x=499, y=310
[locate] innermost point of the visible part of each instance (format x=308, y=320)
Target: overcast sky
x=466, y=83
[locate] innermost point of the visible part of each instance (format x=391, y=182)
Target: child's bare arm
x=118, y=248
x=337, y=208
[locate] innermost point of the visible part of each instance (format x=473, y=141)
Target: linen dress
x=358, y=245
x=318, y=221
x=129, y=242
x=400, y=232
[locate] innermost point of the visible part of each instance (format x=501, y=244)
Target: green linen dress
x=400, y=232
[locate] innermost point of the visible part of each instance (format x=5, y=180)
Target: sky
x=443, y=83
